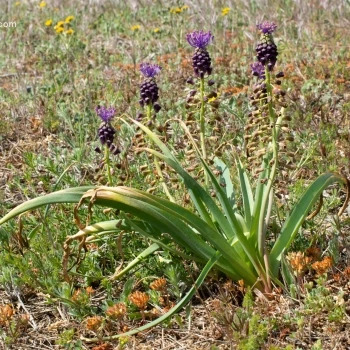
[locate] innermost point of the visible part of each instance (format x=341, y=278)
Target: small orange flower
x=90, y=290
x=105, y=346
x=323, y=266
x=139, y=299
x=6, y=313
x=313, y=252
x=93, y=323
x=299, y=262
x=116, y=311
x=76, y=295
x=159, y=284
x=347, y=271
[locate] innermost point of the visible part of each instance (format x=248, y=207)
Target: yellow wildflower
x=156, y=30
x=59, y=24
x=69, y=31
x=59, y=29
x=184, y=8
x=213, y=98
x=48, y=23
x=136, y=27
x=17, y=3
x=176, y=10
x=225, y=11
x=69, y=19
x=42, y=4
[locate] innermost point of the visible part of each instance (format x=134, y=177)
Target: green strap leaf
x=247, y=193
x=226, y=177
x=143, y=255
x=143, y=206
x=69, y=195
x=298, y=215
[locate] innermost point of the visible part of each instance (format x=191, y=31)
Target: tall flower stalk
x=201, y=63
x=269, y=123
x=106, y=133
x=148, y=99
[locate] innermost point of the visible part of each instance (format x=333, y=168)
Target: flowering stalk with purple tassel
x=106, y=133
x=149, y=97
x=201, y=63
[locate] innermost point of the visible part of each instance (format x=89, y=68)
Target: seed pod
x=139, y=135
x=290, y=166
x=248, y=127
x=282, y=145
x=190, y=169
x=151, y=190
x=253, y=144
x=257, y=133
x=261, y=152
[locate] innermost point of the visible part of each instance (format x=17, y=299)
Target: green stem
x=108, y=166
x=202, y=128
x=156, y=162
x=266, y=200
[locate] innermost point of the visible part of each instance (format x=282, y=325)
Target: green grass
x=51, y=83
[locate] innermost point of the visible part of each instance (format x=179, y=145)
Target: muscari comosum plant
x=218, y=233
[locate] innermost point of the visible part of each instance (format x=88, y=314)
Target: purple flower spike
x=267, y=27
x=258, y=70
x=106, y=114
x=149, y=70
x=199, y=39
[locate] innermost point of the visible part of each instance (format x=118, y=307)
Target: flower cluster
x=148, y=88
x=201, y=60
x=266, y=49
x=106, y=131
x=61, y=26
x=178, y=10
x=135, y=27
x=225, y=11
x=259, y=122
